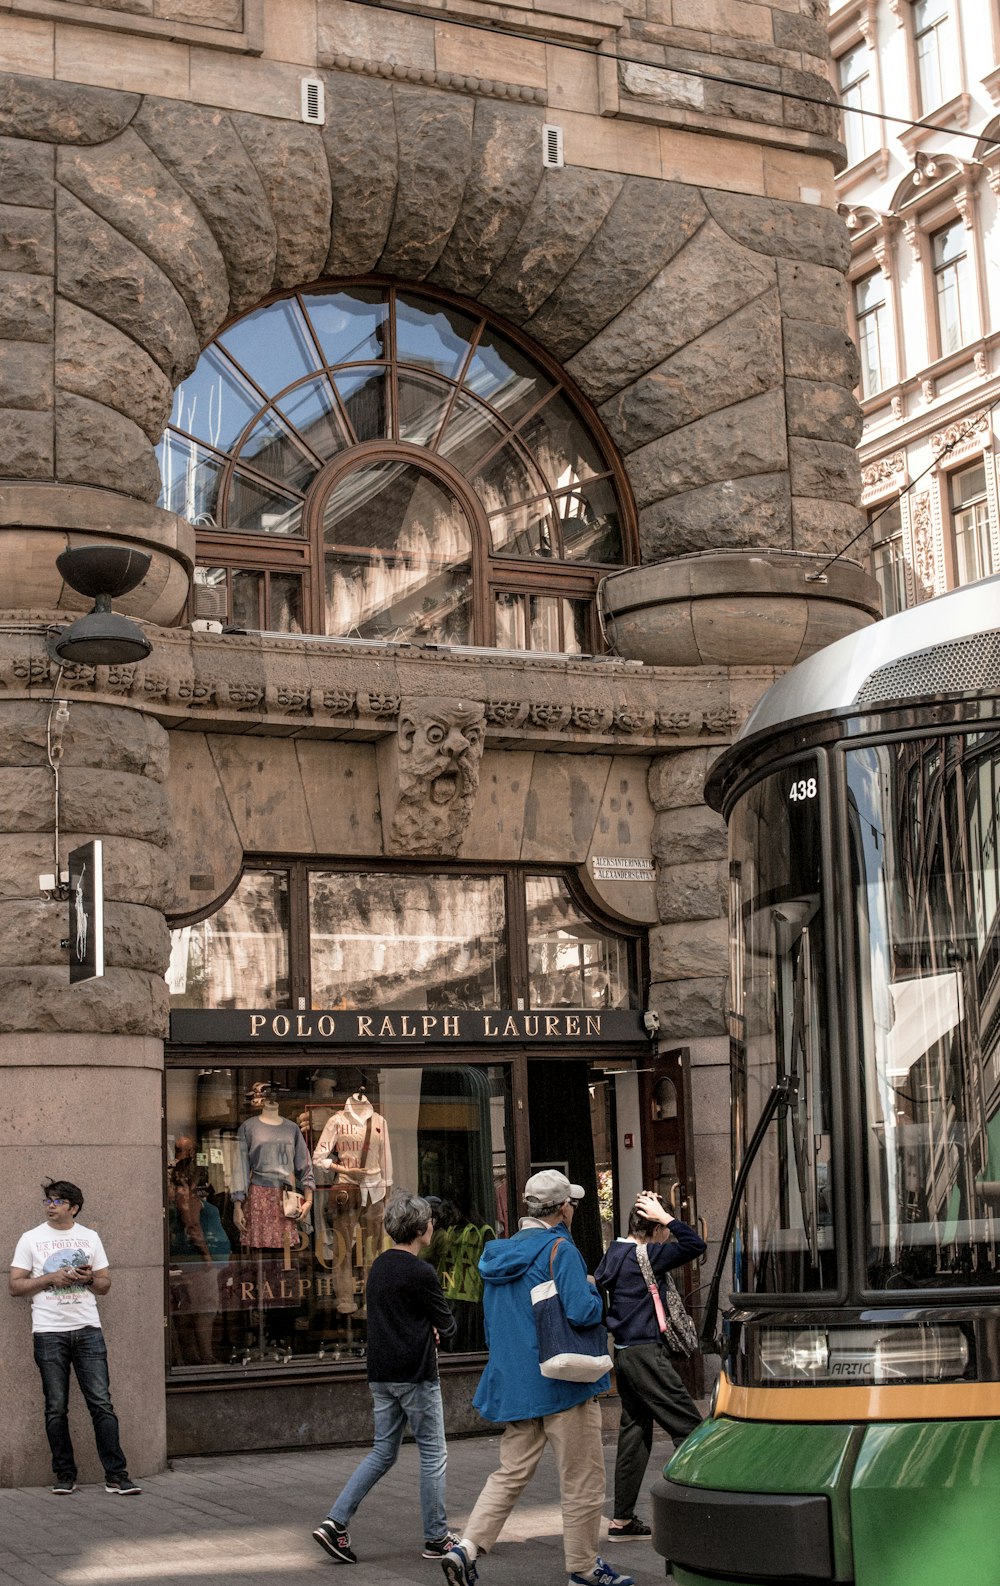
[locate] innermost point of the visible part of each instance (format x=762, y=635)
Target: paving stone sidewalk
x=246, y=1520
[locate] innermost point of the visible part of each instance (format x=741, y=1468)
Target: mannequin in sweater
x=354, y=1148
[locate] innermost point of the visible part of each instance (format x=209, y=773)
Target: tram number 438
x=805, y=789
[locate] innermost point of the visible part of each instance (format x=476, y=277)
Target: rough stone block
x=26, y=172
x=677, y=781
x=96, y=360
x=692, y=892
x=434, y=137
x=95, y=445
x=360, y=142
x=102, y=271
x=803, y=33
x=820, y=352
x=690, y=1009
x=705, y=283
x=27, y=240
x=25, y=307
x=568, y=208
x=689, y=836
x=786, y=231
x=733, y=512
x=812, y=292
x=120, y=1002
x=25, y=375
x=738, y=359
x=735, y=19
x=99, y=736
x=201, y=149
x=823, y=411
x=203, y=13
x=27, y=444
x=747, y=438
x=827, y=469
x=291, y=162
x=125, y=183
x=647, y=224
x=31, y=933
x=505, y=175
x=689, y=950
x=49, y=111
x=824, y=526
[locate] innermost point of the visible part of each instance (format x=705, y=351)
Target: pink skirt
x=265, y=1226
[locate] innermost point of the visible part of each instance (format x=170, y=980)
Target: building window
x=954, y=288
x=888, y=561
x=934, y=45
x=383, y=464
x=857, y=93
x=970, y=520
x=871, y=311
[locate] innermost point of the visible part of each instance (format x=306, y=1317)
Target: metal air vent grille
x=962, y=666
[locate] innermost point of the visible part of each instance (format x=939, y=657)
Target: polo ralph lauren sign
x=342, y=1027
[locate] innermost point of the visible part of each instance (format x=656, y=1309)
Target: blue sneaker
x=601, y=1575
x=459, y=1570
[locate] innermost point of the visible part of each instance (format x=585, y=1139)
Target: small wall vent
x=313, y=101
x=552, y=148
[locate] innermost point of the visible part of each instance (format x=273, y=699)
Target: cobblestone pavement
x=246, y=1520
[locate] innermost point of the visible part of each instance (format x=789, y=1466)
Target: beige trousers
x=575, y=1436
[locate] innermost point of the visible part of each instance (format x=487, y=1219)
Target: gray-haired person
x=407, y=1318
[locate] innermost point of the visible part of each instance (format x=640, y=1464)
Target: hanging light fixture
x=103, y=637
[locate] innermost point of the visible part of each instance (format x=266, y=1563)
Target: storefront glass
x=572, y=963
x=238, y=957
x=251, y=1289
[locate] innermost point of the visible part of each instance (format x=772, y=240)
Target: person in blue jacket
x=648, y=1385
x=537, y=1409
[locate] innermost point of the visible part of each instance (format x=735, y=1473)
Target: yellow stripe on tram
x=937, y=1401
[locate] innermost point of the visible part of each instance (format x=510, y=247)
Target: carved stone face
x=441, y=743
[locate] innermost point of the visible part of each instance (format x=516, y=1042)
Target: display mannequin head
x=263, y=1098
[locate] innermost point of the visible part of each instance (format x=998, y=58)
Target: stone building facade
x=919, y=197
x=634, y=206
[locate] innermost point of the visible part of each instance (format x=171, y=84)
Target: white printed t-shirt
x=45, y=1249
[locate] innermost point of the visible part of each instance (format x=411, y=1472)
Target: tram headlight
x=874, y=1356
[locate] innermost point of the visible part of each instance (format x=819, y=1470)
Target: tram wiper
x=781, y=1095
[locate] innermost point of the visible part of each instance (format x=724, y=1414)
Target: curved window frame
x=301, y=555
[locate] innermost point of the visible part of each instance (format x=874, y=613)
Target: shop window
x=372, y=462
x=934, y=46
x=239, y=956
x=970, y=522
x=572, y=963
x=871, y=311
x=954, y=288
x=407, y=941
x=857, y=93
x=888, y=558
x=250, y=1290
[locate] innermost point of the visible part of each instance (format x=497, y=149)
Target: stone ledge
x=396, y=71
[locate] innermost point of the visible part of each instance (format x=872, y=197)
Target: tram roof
x=930, y=649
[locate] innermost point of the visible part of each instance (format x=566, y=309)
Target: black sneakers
x=441, y=1548
x=633, y=1527
x=336, y=1540
x=63, y=1485
x=122, y=1487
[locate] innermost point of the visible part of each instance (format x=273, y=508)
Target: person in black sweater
x=407, y=1318
x=648, y=1386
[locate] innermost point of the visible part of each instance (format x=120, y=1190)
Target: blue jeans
x=396, y=1403
x=84, y=1349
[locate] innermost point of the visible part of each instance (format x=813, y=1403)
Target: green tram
x=855, y=1430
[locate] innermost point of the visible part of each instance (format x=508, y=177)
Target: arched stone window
x=372, y=462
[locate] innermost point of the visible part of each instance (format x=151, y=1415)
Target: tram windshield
x=923, y=818
x=785, y=1238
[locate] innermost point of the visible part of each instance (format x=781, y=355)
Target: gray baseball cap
x=546, y=1190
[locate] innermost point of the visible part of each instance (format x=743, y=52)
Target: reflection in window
x=871, y=311
x=856, y=94
x=970, y=516
x=239, y=1295
x=954, y=288
x=286, y=392
x=408, y=941
x=889, y=559
x=923, y=825
x=572, y=963
x=238, y=957
x=935, y=50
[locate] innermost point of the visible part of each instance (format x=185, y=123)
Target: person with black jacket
x=407, y=1318
x=648, y=1385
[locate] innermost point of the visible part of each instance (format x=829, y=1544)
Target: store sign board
x=341, y=1027
x=607, y=867
x=86, y=912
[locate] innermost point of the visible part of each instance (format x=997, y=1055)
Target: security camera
x=651, y=1024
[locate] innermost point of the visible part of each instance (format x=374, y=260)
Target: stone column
x=82, y=1065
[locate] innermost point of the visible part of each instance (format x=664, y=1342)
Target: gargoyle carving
x=431, y=775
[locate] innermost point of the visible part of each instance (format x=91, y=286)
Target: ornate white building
x=920, y=199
